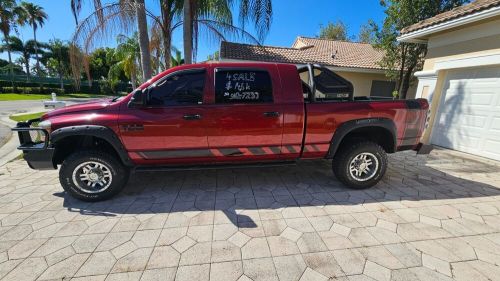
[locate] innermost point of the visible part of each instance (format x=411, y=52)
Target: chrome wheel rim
x=92, y=177
x=363, y=166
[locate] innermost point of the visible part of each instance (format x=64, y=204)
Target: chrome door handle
x=192, y=116
x=272, y=114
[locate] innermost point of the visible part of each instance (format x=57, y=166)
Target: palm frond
x=260, y=12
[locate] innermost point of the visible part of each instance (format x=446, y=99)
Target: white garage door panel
x=469, y=114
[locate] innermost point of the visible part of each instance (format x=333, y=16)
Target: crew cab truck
x=223, y=115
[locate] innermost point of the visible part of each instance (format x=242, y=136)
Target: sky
x=291, y=18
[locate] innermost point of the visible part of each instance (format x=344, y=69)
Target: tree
x=216, y=15
x=35, y=16
x=177, y=58
x=368, y=32
x=210, y=20
x=5, y=67
x=403, y=59
x=9, y=17
x=214, y=57
x=25, y=49
x=127, y=55
x=142, y=28
x=188, y=31
x=57, y=60
x=127, y=7
x=334, y=31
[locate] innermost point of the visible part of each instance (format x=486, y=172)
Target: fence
x=45, y=85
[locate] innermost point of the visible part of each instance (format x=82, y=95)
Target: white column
x=426, y=84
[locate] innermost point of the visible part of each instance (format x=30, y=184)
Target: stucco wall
x=362, y=82
x=469, y=41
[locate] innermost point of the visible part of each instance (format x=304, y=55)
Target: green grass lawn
x=24, y=117
x=14, y=97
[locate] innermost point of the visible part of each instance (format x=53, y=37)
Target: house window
x=382, y=88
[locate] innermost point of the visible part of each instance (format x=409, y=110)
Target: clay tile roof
x=474, y=7
x=309, y=50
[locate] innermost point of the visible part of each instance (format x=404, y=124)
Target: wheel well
x=379, y=135
x=71, y=144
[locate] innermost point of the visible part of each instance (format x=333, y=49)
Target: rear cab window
x=243, y=86
x=329, y=86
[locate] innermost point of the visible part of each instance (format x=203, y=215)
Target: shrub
x=32, y=90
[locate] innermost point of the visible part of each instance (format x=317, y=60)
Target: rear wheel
x=92, y=175
x=360, y=165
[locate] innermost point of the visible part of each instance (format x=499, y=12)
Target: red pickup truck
x=223, y=115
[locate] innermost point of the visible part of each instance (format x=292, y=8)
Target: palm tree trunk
x=11, y=69
x=133, y=81
x=142, y=27
x=36, y=52
x=27, y=66
x=188, y=33
x=60, y=70
x=167, y=32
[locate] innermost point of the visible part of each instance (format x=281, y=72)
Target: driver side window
x=182, y=88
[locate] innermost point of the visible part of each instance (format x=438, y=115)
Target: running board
x=212, y=167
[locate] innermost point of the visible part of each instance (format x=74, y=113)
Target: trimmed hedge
x=97, y=88
x=32, y=90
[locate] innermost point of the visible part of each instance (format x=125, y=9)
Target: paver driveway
x=432, y=218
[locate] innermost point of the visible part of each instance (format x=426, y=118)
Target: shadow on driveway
x=242, y=195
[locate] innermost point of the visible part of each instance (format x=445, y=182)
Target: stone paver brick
x=199, y=272
x=433, y=217
x=226, y=271
x=311, y=275
x=289, y=267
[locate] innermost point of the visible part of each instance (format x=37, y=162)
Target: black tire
x=345, y=156
x=77, y=188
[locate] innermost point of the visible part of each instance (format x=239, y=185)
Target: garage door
x=469, y=114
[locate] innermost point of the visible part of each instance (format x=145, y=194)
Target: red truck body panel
x=238, y=132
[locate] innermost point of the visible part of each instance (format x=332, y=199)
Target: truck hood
x=86, y=106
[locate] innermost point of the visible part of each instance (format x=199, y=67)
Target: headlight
x=46, y=124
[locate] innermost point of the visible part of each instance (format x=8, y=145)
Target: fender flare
x=102, y=132
x=345, y=128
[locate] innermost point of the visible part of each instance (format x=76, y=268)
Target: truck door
x=172, y=127
x=246, y=121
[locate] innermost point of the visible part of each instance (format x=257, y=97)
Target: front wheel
x=360, y=165
x=92, y=175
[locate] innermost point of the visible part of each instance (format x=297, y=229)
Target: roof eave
x=421, y=35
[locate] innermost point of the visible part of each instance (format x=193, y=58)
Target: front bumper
x=35, y=145
x=424, y=148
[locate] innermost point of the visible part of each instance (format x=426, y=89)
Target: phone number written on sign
x=239, y=86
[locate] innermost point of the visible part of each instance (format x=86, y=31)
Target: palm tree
x=119, y=18
x=260, y=12
x=177, y=59
x=35, y=16
x=57, y=59
x=142, y=28
x=127, y=53
x=188, y=31
x=127, y=6
x=25, y=49
x=9, y=16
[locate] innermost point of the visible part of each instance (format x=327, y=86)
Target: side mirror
x=139, y=98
